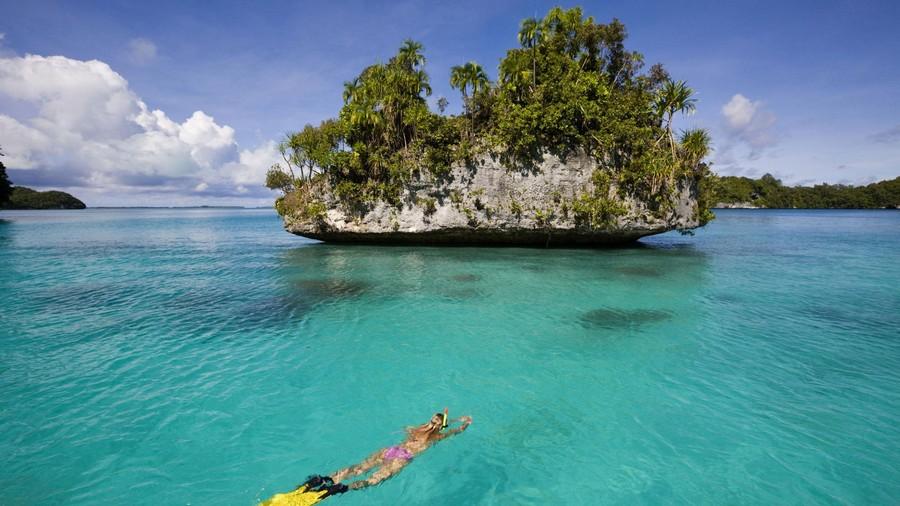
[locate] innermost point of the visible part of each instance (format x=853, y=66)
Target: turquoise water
x=208, y=357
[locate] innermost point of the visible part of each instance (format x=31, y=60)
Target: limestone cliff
x=486, y=203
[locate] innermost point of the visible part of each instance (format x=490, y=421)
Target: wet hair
x=426, y=429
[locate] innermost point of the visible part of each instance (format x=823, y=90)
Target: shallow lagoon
x=201, y=356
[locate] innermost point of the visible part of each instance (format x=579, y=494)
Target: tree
x=442, y=104
x=529, y=37
x=5, y=185
x=278, y=179
x=350, y=88
x=674, y=97
x=470, y=75
x=694, y=146
x=410, y=54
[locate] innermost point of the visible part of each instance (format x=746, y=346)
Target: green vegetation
x=571, y=88
x=26, y=198
x=768, y=191
x=5, y=185
x=19, y=197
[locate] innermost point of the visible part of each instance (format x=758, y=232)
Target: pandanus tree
x=672, y=98
x=464, y=77
x=694, y=146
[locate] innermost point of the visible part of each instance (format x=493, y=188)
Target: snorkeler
x=385, y=462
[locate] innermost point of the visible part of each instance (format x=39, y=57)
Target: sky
x=182, y=103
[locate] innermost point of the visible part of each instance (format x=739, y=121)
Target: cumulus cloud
x=750, y=124
x=89, y=129
x=141, y=51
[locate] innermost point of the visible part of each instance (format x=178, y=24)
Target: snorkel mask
x=443, y=419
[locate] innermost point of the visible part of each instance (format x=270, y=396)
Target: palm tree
x=465, y=76
x=477, y=77
x=420, y=83
x=529, y=36
x=364, y=115
x=695, y=145
x=410, y=54
x=459, y=80
x=350, y=87
x=672, y=98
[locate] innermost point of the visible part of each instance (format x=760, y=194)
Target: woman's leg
x=388, y=469
x=358, y=469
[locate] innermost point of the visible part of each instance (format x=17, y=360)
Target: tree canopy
x=26, y=198
x=769, y=191
x=571, y=87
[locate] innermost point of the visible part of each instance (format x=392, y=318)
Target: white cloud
x=141, y=51
x=252, y=165
x=749, y=123
x=91, y=130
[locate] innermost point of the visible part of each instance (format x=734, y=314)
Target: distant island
x=26, y=198
x=575, y=143
x=769, y=192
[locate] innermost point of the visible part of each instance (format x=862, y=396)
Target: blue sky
x=809, y=91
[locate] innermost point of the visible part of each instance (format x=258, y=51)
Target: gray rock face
x=489, y=204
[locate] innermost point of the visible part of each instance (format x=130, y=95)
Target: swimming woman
x=389, y=461
x=385, y=463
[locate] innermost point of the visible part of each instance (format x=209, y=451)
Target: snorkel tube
x=444, y=419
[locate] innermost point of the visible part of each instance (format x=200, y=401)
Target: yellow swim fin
x=314, y=490
x=301, y=496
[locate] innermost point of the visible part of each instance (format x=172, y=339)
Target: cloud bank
x=81, y=126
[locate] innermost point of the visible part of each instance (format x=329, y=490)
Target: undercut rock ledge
x=487, y=204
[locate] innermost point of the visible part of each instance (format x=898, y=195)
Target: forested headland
x=25, y=198
x=19, y=197
x=769, y=192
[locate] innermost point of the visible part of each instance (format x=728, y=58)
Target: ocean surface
x=206, y=356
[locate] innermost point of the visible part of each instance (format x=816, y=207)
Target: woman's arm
x=466, y=421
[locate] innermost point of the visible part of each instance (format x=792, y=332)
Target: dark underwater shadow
x=465, y=278
x=617, y=319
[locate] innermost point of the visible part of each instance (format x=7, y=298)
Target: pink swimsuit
x=397, y=452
